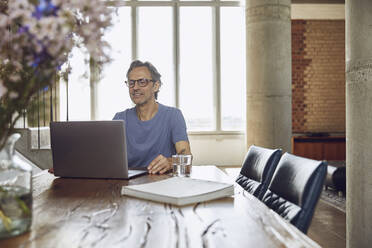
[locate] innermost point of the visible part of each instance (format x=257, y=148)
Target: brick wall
x=318, y=76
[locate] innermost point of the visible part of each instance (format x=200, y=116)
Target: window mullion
x=217, y=67
x=176, y=48
x=134, y=31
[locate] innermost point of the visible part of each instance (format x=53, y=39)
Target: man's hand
x=160, y=165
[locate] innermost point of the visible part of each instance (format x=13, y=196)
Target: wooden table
x=92, y=213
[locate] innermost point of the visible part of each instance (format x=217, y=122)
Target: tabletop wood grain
x=92, y=213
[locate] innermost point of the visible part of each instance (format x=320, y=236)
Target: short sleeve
x=119, y=116
x=179, y=131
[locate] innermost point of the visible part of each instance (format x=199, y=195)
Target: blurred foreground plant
x=37, y=37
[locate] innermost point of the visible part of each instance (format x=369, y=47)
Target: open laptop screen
x=93, y=149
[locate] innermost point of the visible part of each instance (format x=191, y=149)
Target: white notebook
x=179, y=190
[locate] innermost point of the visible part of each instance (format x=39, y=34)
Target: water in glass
x=181, y=165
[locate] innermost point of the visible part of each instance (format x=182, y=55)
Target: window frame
x=176, y=4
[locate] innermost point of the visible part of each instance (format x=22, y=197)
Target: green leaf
x=7, y=222
x=23, y=206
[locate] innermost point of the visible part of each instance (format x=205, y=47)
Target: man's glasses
x=142, y=82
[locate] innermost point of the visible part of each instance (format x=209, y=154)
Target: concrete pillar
x=359, y=123
x=269, y=106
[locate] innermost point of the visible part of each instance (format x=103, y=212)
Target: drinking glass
x=15, y=192
x=181, y=165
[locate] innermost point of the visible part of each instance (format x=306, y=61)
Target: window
x=197, y=46
x=155, y=44
x=112, y=94
x=196, y=72
x=232, y=69
x=78, y=89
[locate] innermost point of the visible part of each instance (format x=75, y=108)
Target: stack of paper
x=179, y=190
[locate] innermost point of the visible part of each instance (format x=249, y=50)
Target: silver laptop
x=91, y=149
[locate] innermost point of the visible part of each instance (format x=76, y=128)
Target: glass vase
x=15, y=192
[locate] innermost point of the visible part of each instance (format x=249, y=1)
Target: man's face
x=142, y=95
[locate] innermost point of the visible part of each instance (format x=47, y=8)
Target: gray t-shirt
x=148, y=139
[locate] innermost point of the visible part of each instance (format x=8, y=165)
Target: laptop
x=91, y=149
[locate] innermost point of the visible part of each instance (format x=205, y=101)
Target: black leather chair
x=295, y=189
x=336, y=178
x=257, y=170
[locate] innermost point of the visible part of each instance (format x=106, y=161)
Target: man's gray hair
x=155, y=75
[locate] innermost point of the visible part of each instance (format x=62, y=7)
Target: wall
x=218, y=149
x=318, y=76
x=320, y=11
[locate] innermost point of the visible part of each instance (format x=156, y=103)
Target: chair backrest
x=257, y=170
x=295, y=189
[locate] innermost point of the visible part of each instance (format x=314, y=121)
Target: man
x=154, y=131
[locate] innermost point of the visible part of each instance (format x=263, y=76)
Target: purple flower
x=45, y=8
x=23, y=29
